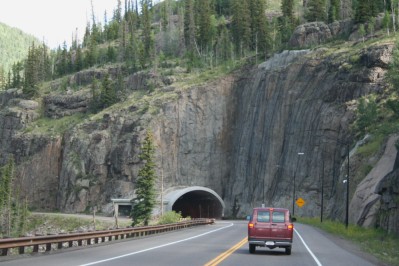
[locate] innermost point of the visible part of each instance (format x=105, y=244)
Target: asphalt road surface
x=223, y=243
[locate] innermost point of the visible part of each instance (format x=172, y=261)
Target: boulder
x=315, y=33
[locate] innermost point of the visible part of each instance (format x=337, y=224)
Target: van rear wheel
x=252, y=248
x=288, y=251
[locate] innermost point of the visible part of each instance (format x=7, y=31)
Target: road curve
x=223, y=243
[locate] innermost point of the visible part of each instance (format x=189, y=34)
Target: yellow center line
x=227, y=253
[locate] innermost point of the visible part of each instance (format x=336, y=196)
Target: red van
x=270, y=227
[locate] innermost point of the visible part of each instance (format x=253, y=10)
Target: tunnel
x=196, y=202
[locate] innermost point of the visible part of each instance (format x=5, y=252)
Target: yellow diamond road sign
x=300, y=202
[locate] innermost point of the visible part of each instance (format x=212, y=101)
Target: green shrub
x=170, y=217
x=367, y=114
x=371, y=147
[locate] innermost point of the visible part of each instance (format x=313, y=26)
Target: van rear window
x=263, y=216
x=278, y=217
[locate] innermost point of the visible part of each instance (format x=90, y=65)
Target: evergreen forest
x=195, y=34
x=14, y=45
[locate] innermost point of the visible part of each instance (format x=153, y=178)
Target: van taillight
x=290, y=226
x=250, y=225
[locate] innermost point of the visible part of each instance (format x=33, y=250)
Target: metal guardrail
x=50, y=242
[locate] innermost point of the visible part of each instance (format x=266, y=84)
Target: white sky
x=54, y=21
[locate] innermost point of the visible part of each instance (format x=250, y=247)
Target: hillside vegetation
x=14, y=45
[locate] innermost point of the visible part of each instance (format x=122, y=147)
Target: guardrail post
x=80, y=242
x=35, y=248
x=59, y=245
x=70, y=244
x=48, y=247
x=21, y=250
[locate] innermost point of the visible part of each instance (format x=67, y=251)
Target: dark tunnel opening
x=198, y=204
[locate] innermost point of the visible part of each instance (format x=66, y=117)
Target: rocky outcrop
x=239, y=136
x=192, y=135
x=315, y=33
x=59, y=105
x=365, y=204
x=85, y=77
x=15, y=114
x=388, y=213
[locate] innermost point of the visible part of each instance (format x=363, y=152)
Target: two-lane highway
x=223, y=243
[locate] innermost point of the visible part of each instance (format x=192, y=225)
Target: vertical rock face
x=192, y=136
x=366, y=201
x=240, y=136
x=303, y=107
x=37, y=156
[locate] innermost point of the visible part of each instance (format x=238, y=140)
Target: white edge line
x=148, y=249
x=306, y=246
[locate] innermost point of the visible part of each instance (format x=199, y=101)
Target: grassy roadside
x=52, y=223
x=377, y=242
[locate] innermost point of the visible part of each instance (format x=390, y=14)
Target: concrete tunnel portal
x=196, y=202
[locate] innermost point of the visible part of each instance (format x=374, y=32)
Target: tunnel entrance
x=196, y=202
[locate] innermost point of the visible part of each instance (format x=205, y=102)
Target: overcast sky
x=53, y=21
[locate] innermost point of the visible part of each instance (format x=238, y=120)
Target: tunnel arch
x=196, y=202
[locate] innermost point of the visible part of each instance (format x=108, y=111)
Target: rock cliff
x=240, y=135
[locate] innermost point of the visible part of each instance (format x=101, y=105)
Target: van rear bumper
x=270, y=242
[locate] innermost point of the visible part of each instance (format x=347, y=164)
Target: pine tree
x=241, y=26
x=118, y=12
x=386, y=22
x=111, y=54
x=13, y=213
x=7, y=177
x=2, y=78
x=224, y=48
x=144, y=201
x=189, y=25
x=8, y=85
x=31, y=73
x=287, y=8
x=316, y=10
x=275, y=34
x=16, y=75
x=91, y=54
x=366, y=9
x=259, y=26
x=147, y=40
x=164, y=15
x=87, y=35
x=79, y=59
x=205, y=32
x=132, y=54
x=367, y=114
x=222, y=7
x=334, y=11
x=108, y=94
x=63, y=65
x=393, y=70
x=95, y=104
